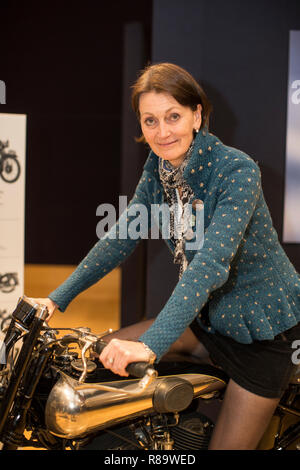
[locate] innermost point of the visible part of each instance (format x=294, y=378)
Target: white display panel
x=291, y=223
x=12, y=208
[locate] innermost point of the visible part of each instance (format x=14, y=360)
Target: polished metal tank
x=75, y=410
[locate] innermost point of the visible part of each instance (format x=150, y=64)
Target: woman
x=237, y=299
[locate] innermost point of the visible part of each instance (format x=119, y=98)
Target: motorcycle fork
x=20, y=371
x=16, y=425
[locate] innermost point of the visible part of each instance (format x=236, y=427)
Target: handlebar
x=136, y=369
x=84, y=338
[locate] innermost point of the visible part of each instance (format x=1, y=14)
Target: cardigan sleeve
x=240, y=187
x=110, y=251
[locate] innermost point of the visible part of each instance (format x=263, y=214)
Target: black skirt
x=262, y=367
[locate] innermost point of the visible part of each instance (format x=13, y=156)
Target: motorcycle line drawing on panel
x=8, y=282
x=10, y=167
x=55, y=395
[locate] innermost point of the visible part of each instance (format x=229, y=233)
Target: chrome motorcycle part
x=78, y=365
x=75, y=410
x=87, y=345
x=172, y=394
x=165, y=443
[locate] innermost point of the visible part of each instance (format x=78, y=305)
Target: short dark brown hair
x=169, y=78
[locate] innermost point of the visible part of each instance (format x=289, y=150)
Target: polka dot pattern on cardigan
x=252, y=288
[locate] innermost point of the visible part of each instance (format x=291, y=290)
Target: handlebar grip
x=137, y=369
x=99, y=346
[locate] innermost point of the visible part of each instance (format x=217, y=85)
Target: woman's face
x=167, y=125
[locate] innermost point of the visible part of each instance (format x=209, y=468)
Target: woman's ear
x=198, y=117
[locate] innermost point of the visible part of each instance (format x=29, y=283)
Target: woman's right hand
x=51, y=306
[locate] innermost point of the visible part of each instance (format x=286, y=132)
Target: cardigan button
x=189, y=234
x=197, y=204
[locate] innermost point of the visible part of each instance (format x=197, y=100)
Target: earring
x=196, y=130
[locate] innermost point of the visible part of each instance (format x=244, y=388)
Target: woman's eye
x=149, y=121
x=174, y=117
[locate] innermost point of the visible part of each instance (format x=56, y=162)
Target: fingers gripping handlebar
x=137, y=369
x=85, y=339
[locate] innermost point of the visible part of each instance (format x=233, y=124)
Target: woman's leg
x=187, y=343
x=242, y=420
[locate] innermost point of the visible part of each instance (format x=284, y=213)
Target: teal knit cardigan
x=252, y=288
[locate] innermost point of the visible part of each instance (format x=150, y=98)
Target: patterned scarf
x=172, y=178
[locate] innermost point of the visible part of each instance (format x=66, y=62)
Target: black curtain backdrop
x=238, y=51
x=63, y=67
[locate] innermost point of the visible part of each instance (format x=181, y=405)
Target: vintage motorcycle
x=10, y=167
x=54, y=395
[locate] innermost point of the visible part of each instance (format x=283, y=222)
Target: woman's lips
x=167, y=144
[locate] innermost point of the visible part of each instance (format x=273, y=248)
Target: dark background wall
x=238, y=50
x=69, y=69
x=63, y=65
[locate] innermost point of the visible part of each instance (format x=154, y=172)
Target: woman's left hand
x=119, y=353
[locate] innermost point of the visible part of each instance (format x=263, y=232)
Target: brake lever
x=87, y=345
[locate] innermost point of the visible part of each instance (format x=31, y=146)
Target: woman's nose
x=163, y=130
